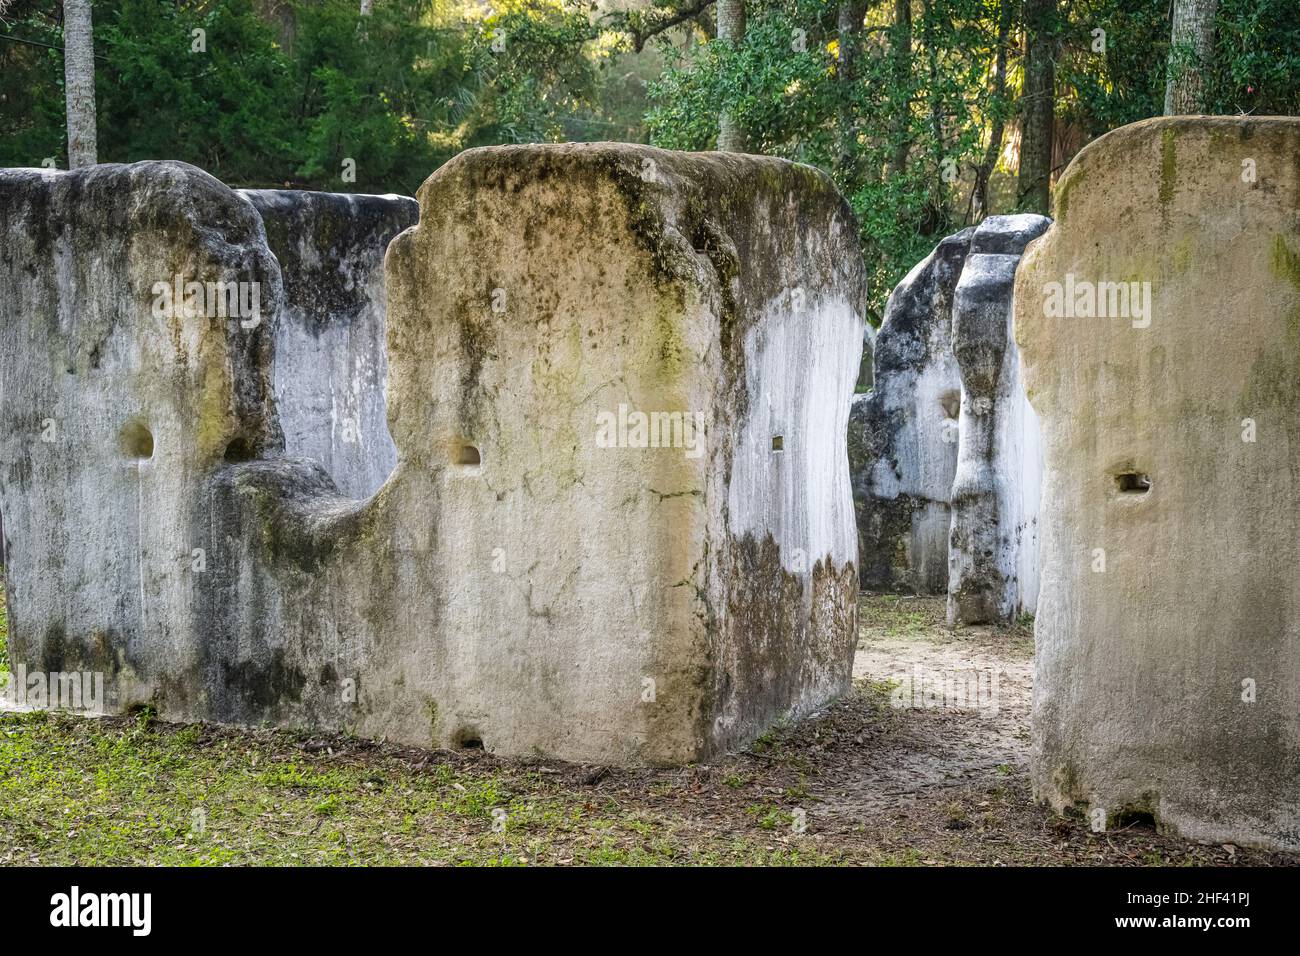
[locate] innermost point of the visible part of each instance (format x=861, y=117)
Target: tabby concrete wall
x=905, y=431
x=118, y=406
x=993, y=546
x=1168, y=626
x=944, y=450
x=331, y=358
x=619, y=528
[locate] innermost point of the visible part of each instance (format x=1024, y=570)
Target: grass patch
x=899, y=615
x=127, y=792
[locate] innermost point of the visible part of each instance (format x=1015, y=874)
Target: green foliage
x=895, y=136
x=377, y=90
x=31, y=90
x=158, y=99
x=905, y=136
x=1256, y=58
x=534, y=78
x=1124, y=80
x=909, y=129
x=259, y=102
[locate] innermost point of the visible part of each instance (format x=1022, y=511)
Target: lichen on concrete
x=331, y=356
x=515, y=583
x=1168, y=624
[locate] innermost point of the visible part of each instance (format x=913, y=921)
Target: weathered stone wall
x=531, y=577
x=944, y=450
x=1168, y=626
x=331, y=358
x=116, y=410
x=993, y=546
x=865, y=373
x=905, y=432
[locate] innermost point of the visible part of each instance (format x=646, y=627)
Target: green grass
x=98, y=792
x=895, y=615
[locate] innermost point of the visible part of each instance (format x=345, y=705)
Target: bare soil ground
x=864, y=783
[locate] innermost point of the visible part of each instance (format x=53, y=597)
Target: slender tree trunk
x=1191, y=51
x=936, y=219
x=731, y=29
x=985, y=169
x=849, y=24
x=900, y=60
x=79, y=83
x=1038, y=108
x=366, y=7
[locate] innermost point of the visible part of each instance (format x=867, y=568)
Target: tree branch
x=643, y=30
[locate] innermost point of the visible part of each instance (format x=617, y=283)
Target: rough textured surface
x=113, y=418
x=331, y=359
x=993, y=546
x=865, y=375
x=904, y=440
x=1168, y=626
x=515, y=584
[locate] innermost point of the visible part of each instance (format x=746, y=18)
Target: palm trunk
x=936, y=218
x=79, y=83
x=985, y=169
x=1189, y=54
x=1038, y=109
x=731, y=29
x=849, y=28
x=900, y=57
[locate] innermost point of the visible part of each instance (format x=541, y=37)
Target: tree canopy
x=925, y=112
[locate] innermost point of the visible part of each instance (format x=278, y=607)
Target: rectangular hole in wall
x=1133, y=483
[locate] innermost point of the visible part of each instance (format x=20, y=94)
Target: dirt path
x=965, y=698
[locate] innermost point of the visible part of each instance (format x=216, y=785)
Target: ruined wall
x=331, y=359
x=1168, y=627
x=944, y=450
x=905, y=431
x=117, y=407
x=865, y=373
x=536, y=576
x=993, y=548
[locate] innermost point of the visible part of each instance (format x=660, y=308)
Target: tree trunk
x=366, y=7
x=935, y=220
x=1038, y=108
x=79, y=83
x=849, y=26
x=900, y=57
x=731, y=29
x=985, y=169
x=1190, y=53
